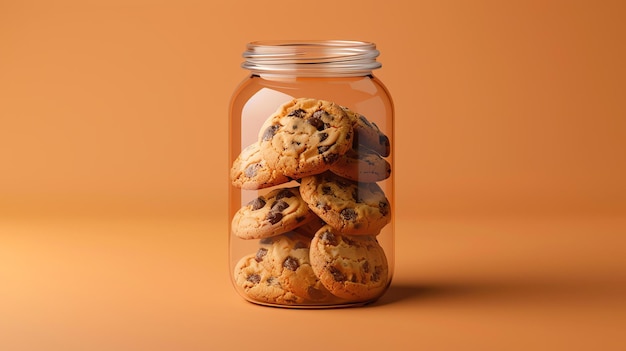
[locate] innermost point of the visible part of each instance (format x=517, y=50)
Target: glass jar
x=311, y=194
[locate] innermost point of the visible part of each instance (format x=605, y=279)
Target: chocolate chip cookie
x=348, y=206
x=260, y=284
x=362, y=165
x=350, y=267
x=305, y=136
x=250, y=170
x=287, y=257
x=277, y=212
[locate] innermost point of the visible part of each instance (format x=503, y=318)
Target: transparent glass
x=331, y=76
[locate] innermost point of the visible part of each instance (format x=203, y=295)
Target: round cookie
x=350, y=267
x=287, y=257
x=368, y=133
x=362, y=165
x=305, y=136
x=277, y=212
x=259, y=283
x=350, y=207
x=250, y=170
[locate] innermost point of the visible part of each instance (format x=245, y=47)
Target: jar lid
x=311, y=58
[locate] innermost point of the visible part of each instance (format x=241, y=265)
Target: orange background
x=510, y=172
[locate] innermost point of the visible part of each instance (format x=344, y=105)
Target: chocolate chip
x=377, y=272
x=284, y=193
x=257, y=203
x=251, y=170
x=297, y=113
x=316, y=122
x=323, y=206
x=323, y=136
x=337, y=274
x=260, y=254
x=365, y=121
x=383, y=140
x=279, y=206
x=329, y=238
x=326, y=190
x=355, y=195
x=322, y=149
x=318, y=114
x=291, y=263
x=348, y=214
x=331, y=158
x=274, y=217
x=269, y=132
x=254, y=278
x=348, y=241
x=366, y=267
x=383, y=207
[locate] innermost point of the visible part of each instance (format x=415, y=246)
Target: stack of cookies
x=317, y=227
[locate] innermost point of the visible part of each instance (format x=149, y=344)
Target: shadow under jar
x=311, y=194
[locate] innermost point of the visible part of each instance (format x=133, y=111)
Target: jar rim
x=311, y=58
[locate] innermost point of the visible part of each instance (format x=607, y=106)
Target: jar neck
x=323, y=58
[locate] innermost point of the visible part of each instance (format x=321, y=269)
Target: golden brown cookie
x=350, y=267
x=305, y=136
x=348, y=206
x=260, y=284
